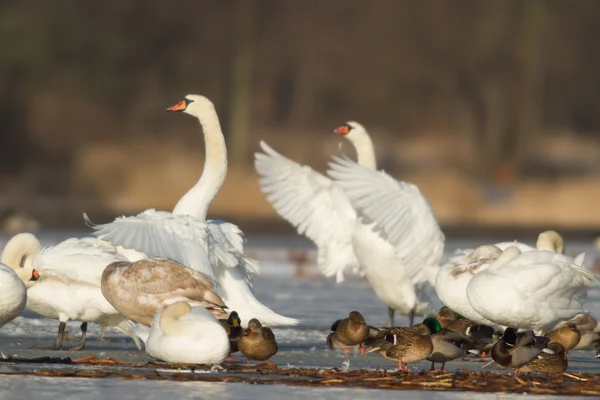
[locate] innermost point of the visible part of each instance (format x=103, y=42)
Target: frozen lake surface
x=316, y=301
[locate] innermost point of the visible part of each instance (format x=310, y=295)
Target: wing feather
x=399, y=211
x=314, y=205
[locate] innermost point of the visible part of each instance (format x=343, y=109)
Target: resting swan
x=68, y=287
x=141, y=289
x=13, y=291
x=214, y=248
x=454, y=276
x=185, y=334
x=533, y=290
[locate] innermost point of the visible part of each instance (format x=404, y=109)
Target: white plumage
x=532, y=290
x=185, y=334
x=13, y=293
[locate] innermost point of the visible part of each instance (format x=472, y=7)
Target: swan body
x=141, y=289
x=68, y=287
x=454, y=276
x=214, y=248
x=533, y=290
x=185, y=334
x=13, y=292
x=396, y=237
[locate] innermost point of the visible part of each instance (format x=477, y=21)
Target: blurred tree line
x=503, y=73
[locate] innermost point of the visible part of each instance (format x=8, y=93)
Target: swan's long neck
x=19, y=248
x=197, y=200
x=551, y=241
x=365, y=152
x=170, y=325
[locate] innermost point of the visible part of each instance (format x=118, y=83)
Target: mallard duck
x=568, y=336
x=446, y=315
x=548, y=363
x=258, y=342
x=233, y=327
x=348, y=332
x=448, y=345
x=482, y=335
x=404, y=344
x=587, y=326
x=514, y=350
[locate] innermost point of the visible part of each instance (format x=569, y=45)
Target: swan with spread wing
x=214, y=248
x=396, y=237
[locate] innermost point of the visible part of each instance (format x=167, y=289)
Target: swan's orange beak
x=178, y=107
x=342, y=130
x=35, y=275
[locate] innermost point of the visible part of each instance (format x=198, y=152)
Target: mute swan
x=313, y=203
x=68, y=287
x=185, y=334
x=13, y=291
x=188, y=238
x=139, y=290
x=454, y=276
x=532, y=290
x=396, y=238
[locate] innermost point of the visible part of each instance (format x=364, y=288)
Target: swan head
x=350, y=128
x=195, y=105
x=177, y=310
x=550, y=240
x=28, y=275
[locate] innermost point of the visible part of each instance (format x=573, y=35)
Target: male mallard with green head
x=258, y=342
x=233, y=327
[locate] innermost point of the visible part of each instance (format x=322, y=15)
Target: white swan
x=185, y=334
x=68, y=287
x=533, y=290
x=312, y=202
x=454, y=276
x=186, y=237
x=396, y=238
x=141, y=289
x=13, y=291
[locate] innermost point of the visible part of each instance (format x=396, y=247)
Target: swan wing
x=180, y=238
x=401, y=214
x=314, y=205
x=228, y=238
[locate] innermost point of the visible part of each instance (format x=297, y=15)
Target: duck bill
x=178, y=107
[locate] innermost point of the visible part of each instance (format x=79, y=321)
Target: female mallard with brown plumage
x=568, y=336
x=549, y=363
x=405, y=344
x=258, y=342
x=446, y=315
x=349, y=332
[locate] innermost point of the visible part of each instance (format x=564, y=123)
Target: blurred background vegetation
x=490, y=106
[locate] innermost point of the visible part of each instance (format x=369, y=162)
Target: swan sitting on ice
x=533, y=290
x=185, y=334
x=454, y=276
x=214, y=248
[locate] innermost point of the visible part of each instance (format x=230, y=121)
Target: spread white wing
x=314, y=205
x=401, y=214
x=181, y=238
